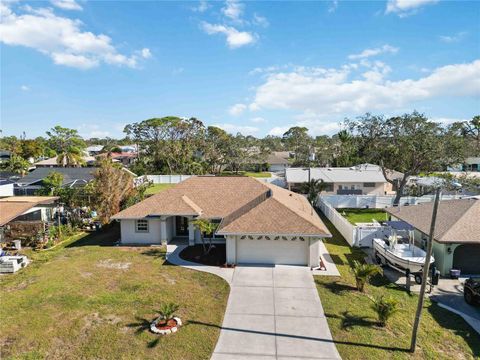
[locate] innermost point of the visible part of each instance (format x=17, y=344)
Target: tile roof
x=458, y=221
x=245, y=204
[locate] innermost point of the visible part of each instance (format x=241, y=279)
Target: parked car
x=471, y=291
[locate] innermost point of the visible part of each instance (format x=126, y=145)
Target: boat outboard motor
x=435, y=275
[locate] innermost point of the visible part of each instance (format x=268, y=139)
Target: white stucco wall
x=130, y=236
x=314, y=253
x=6, y=190
x=231, y=249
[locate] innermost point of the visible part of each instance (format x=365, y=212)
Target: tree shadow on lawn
x=157, y=252
x=280, y=335
x=349, y=321
x=107, y=236
x=453, y=322
x=143, y=325
x=336, y=287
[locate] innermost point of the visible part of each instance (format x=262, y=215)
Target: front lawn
x=363, y=215
x=87, y=299
x=442, y=335
x=156, y=188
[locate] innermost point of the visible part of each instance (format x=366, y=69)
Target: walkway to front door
x=274, y=313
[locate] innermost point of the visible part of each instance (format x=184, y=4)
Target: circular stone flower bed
x=160, y=326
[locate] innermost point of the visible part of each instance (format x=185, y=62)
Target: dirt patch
x=109, y=264
x=168, y=279
x=85, y=274
x=96, y=319
x=216, y=257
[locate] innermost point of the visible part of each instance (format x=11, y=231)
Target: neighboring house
x=129, y=148
x=72, y=177
x=457, y=232
x=470, y=164
x=6, y=188
x=125, y=158
x=23, y=217
x=94, y=150
x=278, y=161
x=259, y=222
x=52, y=162
x=365, y=179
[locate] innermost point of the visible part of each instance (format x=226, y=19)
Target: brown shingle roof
x=458, y=221
x=14, y=206
x=245, y=204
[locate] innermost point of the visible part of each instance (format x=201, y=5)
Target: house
x=365, y=179
x=471, y=164
x=72, y=177
x=125, y=158
x=457, y=232
x=52, y=162
x=6, y=187
x=260, y=223
x=94, y=150
x=5, y=156
x=278, y=161
x=23, y=217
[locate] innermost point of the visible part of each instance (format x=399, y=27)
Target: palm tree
x=70, y=156
x=206, y=227
x=313, y=188
x=385, y=308
x=363, y=272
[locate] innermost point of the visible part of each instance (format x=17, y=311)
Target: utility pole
x=426, y=268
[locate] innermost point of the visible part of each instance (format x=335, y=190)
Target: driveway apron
x=274, y=312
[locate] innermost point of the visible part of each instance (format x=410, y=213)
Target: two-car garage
x=280, y=250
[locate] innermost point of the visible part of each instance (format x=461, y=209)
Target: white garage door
x=262, y=251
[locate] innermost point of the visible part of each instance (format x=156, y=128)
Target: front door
x=181, y=226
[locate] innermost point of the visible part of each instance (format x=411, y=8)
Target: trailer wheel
x=418, y=279
x=378, y=259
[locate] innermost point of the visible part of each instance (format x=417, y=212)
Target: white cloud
x=233, y=10
x=279, y=130
x=88, y=131
x=235, y=38
x=146, y=53
x=25, y=88
x=237, y=109
x=333, y=6
x=453, y=38
x=258, y=120
x=374, y=52
x=178, y=71
x=328, y=92
x=203, y=6
x=260, y=20
x=66, y=4
x=448, y=121
x=60, y=38
x=234, y=128
x=405, y=8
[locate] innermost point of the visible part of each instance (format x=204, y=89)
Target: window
x=141, y=226
x=369, y=185
x=328, y=187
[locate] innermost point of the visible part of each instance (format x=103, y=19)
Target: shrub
x=363, y=272
x=385, y=308
x=167, y=310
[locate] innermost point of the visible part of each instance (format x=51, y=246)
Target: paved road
x=274, y=313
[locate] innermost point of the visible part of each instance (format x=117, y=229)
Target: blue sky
x=254, y=67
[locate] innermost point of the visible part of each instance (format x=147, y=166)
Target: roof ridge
x=447, y=232
x=192, y=204
x=295, y=211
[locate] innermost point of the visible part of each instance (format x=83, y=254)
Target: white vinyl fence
x=378, y=202
x=165, y=179
x=348, y=230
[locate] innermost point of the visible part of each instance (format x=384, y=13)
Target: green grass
x=442, y=335
x=74, y=303
x=363, y=215
x=156, y=188
x=260, y=174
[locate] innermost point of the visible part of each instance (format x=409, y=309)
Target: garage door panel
x=282, y=252
x=467, y=258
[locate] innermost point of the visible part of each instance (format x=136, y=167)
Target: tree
x=206, y=228
x=297, y=139
x=52, y=184
x=470, y=131
x=346, y=149
x=363, y=272
x=17, y=165
x=111, y=188
x=216, y=149
x=313, y=188
x=409, y=143
x=68, y=145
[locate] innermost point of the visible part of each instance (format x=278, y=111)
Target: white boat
x=402, y=256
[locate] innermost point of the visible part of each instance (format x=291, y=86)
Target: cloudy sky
x=254, y=67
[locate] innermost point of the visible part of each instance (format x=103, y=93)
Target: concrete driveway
x=274, y=313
